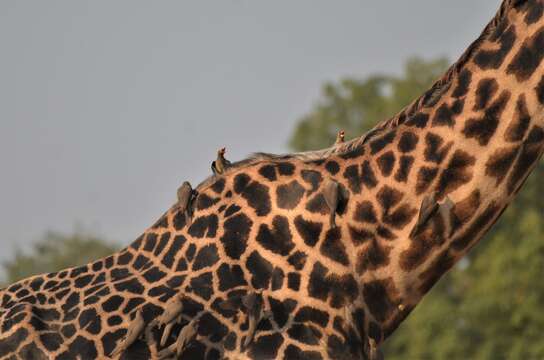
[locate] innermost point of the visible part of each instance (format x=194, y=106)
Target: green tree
x=54, y=252
x=490, y=305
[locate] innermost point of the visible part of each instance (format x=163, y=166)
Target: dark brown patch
x=385, y=233
x=528, y=58
x=368, y=177
x=313, y=178
x=277, y=239
x=289, y=195
x=457, y=172
x=372, y=257
x=365, y=213
x=360, y=236
x=444, y=116
x=360, y=175
x=309, y=231
x=381, y=142
x=418, y=120
x=204, y=201
x=400, y=217
x=487, y=88
x=482, y=129
x=430, y=236
x=260, y=270
x=500, y=162
x=425, y=177
x=434, y=272
x=353, y=154
x=533, y=12
x=519, y=126
x=353, y=176
x=333, y=248
x=529, y=154
x=286, y=168
x=540, y=90
x=342, y=289
x=332, y=167
x=493, y=59
x=219, y=186
x=408, y=142
x=268, y=172
x=381, y=297
x=464, y=210
x=236, y=235
x=254, y=192
x=405, y=166
x=317, y=204
x=463, y=82
x=388, y=198
x=386, y=162
x=478, y=226
x=435, y=149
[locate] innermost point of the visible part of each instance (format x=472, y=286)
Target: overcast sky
x=107, y=106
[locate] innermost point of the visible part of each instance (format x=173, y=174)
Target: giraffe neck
x=473, y=138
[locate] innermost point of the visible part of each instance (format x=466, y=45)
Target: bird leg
x=331, y=193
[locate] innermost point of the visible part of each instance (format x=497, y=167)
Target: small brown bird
x=220, y=165
x=253, y=303
x=340, y=137
x=186, y=195
x=172, y=311
x=428, y=207
x=135, y=329
x=331, y=193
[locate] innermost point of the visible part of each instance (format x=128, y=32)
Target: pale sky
x=107, y=106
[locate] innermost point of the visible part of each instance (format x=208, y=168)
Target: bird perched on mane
x=340, y=137
x=220, y=164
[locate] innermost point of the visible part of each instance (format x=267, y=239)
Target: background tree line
x=490, y=306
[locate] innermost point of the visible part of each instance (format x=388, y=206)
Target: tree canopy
x=490, y=305
x=56, y=251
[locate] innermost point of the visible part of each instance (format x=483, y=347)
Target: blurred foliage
x=54, y=252
x=355, y=105
x=490, y=305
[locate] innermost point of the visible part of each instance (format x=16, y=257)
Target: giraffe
x=317, y=255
